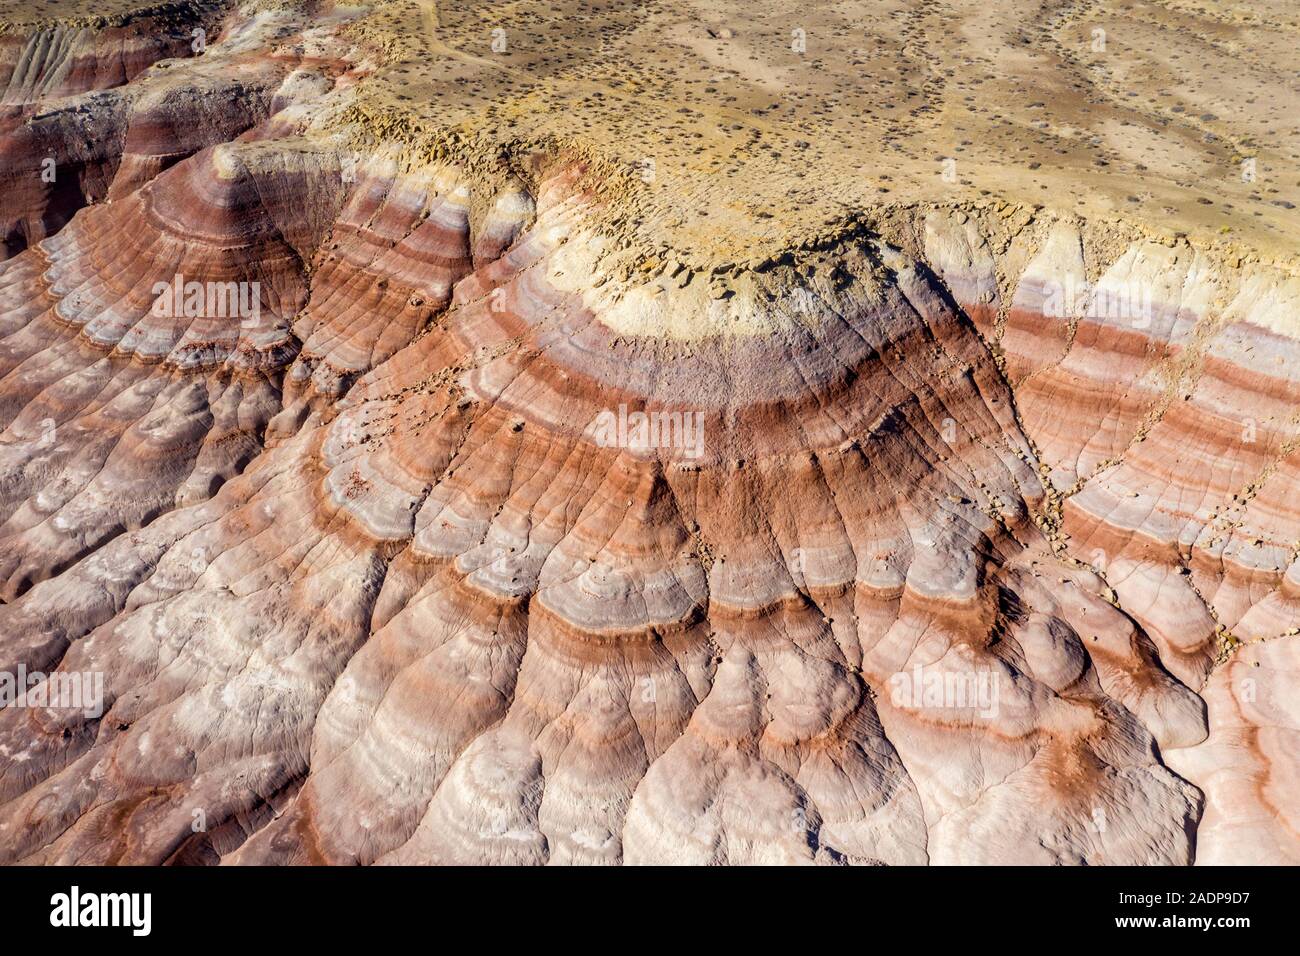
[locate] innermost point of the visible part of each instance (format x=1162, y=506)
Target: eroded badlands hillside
x=674, y=432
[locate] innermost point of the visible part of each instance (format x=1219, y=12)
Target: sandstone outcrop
x=477, y=529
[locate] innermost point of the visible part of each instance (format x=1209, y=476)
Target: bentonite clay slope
x=378, y=568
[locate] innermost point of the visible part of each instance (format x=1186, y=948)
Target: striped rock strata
x=925, y=558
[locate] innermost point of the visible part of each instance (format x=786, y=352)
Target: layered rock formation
x=415, y=507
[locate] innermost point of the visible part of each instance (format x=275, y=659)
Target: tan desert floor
x=745, y=127
x=739, y=144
